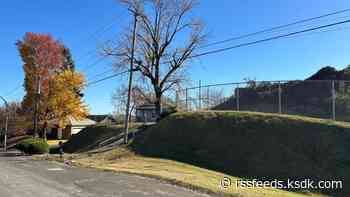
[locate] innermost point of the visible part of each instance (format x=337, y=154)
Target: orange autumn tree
x=44, y=59
x=64, y=101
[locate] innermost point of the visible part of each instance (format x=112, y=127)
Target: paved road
x=21, y=176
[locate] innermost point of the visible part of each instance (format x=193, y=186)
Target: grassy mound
x=92, y=137
x=33, y=146
x=254, y=145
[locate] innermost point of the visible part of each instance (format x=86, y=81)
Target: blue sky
x=75, y=23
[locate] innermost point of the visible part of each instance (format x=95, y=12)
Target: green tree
x=68, y=62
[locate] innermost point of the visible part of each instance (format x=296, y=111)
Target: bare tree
x=167, y=38
x=139, y=96
x=17, y=124
x=14, y=108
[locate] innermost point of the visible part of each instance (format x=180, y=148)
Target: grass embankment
x=254, y=145
x=235, y=144
x=125, y=161
x=91, y=137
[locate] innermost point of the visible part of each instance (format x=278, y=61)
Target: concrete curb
x=11, y=153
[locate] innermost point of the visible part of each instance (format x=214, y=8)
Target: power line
x=99, y=31
x=13, y=91
x=324, y=31
x=233, y=47
x=237, y=46
x=89, y=66
x=101, y=74
x=268, y=39
x=275, y=28
x=103, y=29
x=106, y=78
x=88, y=53
x=244, y=44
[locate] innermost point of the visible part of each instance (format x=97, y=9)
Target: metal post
x=279, y=98
x=6, y=130
x=333, y=100
x=177, y=99
x=208, y=99
x=186, y=99
x=200, y=95
x=6, y=122
x=127, y=113
x=237, y=97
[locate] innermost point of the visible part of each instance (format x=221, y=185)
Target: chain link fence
x=327, y=99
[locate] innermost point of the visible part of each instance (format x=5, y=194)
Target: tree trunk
x=35, y=130
x=45, y=130
x=158, y=105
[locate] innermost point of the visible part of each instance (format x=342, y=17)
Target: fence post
x=237, y=97
x=186, y=92
x=200, y=95
x=208, y=98
x=6, y=131
x=177, y=98
x=333, y=100
x=279, y=98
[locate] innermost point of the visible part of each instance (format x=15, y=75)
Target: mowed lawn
x=123, y=160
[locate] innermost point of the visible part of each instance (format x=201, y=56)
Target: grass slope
x=125, y=161
x=91, y=137
x=254, y=145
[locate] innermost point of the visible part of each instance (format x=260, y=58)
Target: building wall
x=67, y=132
x=146, y=115
x=76, y=129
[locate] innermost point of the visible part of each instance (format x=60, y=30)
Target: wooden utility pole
x=127, y=113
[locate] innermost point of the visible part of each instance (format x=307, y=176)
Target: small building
x=73, y=127
x=103, y=119
x=146, y=113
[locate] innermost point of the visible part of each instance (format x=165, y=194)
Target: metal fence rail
x=329, y=99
